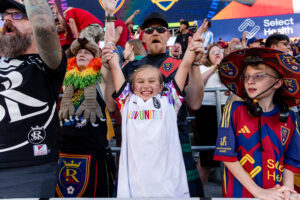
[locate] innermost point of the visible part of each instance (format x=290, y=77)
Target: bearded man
x=32, y=67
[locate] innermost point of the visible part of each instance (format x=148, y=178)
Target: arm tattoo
x=44, y=31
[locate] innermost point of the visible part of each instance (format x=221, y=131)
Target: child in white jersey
x=151, y=162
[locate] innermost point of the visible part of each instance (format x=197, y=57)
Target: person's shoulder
x=232, y=106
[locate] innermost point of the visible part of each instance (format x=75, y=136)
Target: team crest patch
x=284, y=135
x=290, y=63
x=228, y=70
x=232, y=87
x=164, y=4
x=240, y=53
x=118, y=6
x=290, y=85
x=73, y=177
x=167, y=66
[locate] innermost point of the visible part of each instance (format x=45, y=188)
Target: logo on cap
x=228, y=69
x=289, y=63
x=290, y=85
x=164, y=4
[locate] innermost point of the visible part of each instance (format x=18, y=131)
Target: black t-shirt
x=183, y=39
x=156, y=61
x=28, y=116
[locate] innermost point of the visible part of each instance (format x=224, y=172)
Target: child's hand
x=109, y=55
x=109, y=5
x=275, y=193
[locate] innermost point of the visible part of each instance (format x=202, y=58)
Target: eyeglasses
x=159, y=29
x=14, y=15
x=214, y=52
x=256, y=77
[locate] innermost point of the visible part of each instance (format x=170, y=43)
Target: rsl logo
x=165, y=5
x=74, y=172
x=118, y=6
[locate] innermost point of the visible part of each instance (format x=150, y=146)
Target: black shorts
x=207, y=127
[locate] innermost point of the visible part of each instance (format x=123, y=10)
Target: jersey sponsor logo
x=36, y=135
x=285, y=132
x=290, y=85
x=118, y=6
x=156, y=103
x=15, y=99
x=165, y=5
x=40, y=150
x=248, y=158
x=18, y=106
x=289, y=63
x=74, y=173
x=228, y=70
x=244, y=130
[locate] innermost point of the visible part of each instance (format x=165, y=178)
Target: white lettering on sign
x=282, y=26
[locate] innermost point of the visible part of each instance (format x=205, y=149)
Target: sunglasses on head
x=14, y=15
x=159, y=29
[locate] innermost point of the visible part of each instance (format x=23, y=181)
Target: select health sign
x=260, y=27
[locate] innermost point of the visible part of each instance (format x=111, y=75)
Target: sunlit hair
x=142, y=68
x=138, y=48
x=208, y=61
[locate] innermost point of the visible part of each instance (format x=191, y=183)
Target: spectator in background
x=134, y=50
x=176, y=51
x=64, y=32
x=184, y=35
x=84, y=24
x=84, y=122
x=279, y=42
x=120, y=38
x=254, y=42
x=129, y=23
x=206, y=117
x=208, y=36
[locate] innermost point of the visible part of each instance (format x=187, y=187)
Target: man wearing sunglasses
x=155, y=37
x=32, y=68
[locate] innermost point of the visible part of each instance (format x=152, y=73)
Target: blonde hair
x=142, y=68
x=138, y=48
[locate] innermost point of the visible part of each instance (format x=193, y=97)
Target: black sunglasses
x=159, y=29
x=14, y=15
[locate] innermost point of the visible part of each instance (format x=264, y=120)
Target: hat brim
x=89, y=45
x=232, y=66
x=148, y=21
x=5, y=4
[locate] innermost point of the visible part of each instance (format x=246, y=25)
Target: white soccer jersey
x=151, y=162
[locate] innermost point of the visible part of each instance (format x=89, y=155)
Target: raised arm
x=195, y=89
x=44, y=31
x=110, y=57
x=130, y=19
x=61, y=19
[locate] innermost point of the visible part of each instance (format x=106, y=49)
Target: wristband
x=196, y=63
x=110, y=18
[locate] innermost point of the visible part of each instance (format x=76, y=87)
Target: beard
x=12, y=46
x=156, y=49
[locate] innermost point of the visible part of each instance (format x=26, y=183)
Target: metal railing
x=189, y=118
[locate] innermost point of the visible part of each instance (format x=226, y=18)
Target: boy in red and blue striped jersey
x=258, y=138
